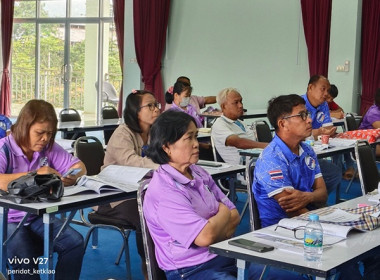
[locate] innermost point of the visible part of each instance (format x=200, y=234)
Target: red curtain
x=316, y=16
x=118, y=11
x=150, y=19
x=7, y=8
x=370, y=55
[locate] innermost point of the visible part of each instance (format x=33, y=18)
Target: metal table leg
x=3, y=237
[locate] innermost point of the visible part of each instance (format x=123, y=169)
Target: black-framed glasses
x=152, y=106
x=304, y=115
x=298, y=231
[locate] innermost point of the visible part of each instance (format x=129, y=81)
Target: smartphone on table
x=72, y=172
x=251, y=245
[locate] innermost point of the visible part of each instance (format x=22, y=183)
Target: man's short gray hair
x=222, y=95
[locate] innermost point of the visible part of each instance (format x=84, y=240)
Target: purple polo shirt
x=190, y=111
x=176, y=210
x=372, y=115
x=198, y=102
x=57, y=158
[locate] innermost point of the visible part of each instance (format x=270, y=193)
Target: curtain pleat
x=7, y=8
x=150, y=20
x=316, y=16
x=118, y=11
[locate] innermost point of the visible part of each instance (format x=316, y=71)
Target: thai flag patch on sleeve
x=276, y=174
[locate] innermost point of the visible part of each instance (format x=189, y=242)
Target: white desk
x=224, y=171
x=48, y=210
x=357, y=246
x=250, y=114
x=320, y=153
x=67, y=144
x=83, y=126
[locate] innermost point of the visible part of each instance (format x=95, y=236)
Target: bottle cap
x=313, y=217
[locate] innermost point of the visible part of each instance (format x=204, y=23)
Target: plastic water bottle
x=313, y=239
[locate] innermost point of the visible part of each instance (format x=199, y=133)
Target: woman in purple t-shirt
x=31, y=147
x=371, y=118
x=184, y=209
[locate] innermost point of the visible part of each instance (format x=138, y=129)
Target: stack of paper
x=374, y=198
x=340, y=142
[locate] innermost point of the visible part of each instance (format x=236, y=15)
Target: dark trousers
x=127, y=211
x=27, y=245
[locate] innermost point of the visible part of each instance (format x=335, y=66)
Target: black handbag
x=35, y=187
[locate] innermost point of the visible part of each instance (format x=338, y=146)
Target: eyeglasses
x=152, y=106
x=298, y=231
x=304, y=115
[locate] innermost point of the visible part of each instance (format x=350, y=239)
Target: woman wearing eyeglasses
x=126, y=147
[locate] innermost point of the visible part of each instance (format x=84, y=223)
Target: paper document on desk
x=365, y=220
x=284, y=240
x=113, y=177
x=320, y=147
x=374, y=198
x=212, y=166
x=328, y=229
x=341, y=142
x=253, y=151
x=339, y=216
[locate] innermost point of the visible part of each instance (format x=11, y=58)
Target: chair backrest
x=69, y=115
x=351, y=123
x=5, y=125
x=91, y=152
x=215, y=153
x=154, y=271
x=109, y=93
x=254, y=216
x=367, y=168
x=263, y=131
x=109, y=112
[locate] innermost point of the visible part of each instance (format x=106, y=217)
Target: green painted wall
x=345, y=40
x=257, y=46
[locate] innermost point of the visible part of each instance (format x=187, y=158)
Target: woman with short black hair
x=184, y=209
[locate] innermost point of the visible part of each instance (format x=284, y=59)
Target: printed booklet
x=113, y=177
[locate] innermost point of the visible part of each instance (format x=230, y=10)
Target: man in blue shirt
x=315, y=98
x=287, y=179
x=288, y=182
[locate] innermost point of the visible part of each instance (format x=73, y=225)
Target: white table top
x=88, y=124
x=66, y=203
x=352, y=248
x=221, y=170
x=320, y=153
